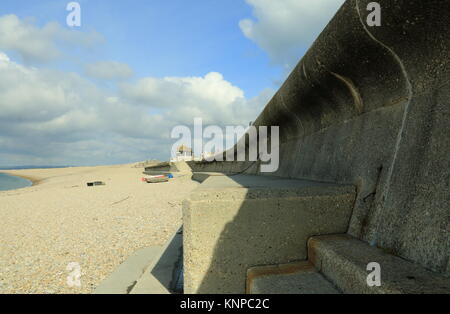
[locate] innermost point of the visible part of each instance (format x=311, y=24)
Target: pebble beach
x=59, y=220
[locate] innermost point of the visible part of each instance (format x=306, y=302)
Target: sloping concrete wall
x=369, y=106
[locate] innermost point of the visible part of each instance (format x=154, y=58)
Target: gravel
x=60, y=220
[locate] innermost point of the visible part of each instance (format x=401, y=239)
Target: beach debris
x=96, y=183
x=121, y=200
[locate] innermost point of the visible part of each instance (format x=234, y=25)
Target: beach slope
x=60, y=220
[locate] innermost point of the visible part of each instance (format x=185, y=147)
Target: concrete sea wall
x=370, y=107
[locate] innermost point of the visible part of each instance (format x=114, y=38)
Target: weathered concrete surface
x=295, y=278
x=370, y=106
x=343, y=260
x=160, y=273
x=128, y=273
x=234, y=223
x=392, y=140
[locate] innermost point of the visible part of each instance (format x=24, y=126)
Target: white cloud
x=40, y=45
x=109, y=70
x=283, y=28
x=52, y=117
x=4, y=58
x=211, y=97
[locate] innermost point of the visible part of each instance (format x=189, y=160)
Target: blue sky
x=111, y=90
x=166, y=38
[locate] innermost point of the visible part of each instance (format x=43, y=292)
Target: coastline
x=34, y=180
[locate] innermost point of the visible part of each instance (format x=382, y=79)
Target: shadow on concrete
x=168, y=269
x=233, y=223
x=367, y=107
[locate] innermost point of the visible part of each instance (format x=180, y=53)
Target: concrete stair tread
x=243, y=186
x=217, y=180
x=159, y=276
x=268, y=218
x=148, y=271
x=148, y=284
x=343, y=260
x=123, y=279
x=297, y=278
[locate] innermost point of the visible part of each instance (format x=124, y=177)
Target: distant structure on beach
x=183, y=153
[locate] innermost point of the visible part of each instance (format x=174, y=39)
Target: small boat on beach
x=156, y=179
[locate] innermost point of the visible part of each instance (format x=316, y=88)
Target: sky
x=111, y=90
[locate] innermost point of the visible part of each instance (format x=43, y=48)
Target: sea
x=8, y=182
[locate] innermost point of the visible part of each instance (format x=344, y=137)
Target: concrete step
x=163, y=273
x=153, y=270
x=232, y=223
x=338, y=264
x=343, y=260
x=123, y=279
x=294, y=278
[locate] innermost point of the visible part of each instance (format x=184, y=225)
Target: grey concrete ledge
x=232, y=223
x=123, y=279
x=343, y=260
x=222, y=187
x=159, y=276
x=294, y=278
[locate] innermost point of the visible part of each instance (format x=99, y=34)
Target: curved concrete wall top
x=370, y=106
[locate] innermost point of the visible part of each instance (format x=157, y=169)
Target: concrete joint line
x=405, y=112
